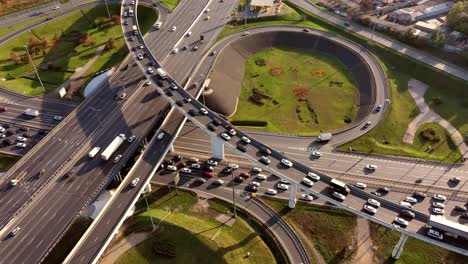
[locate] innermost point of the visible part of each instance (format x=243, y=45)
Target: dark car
x=241, y=147
x=160, y=83
x=207, y=174
x=43, y=132
x=10, y=132
x=265, y=151
x=169, y=93
x=24, y=129
x=253, y=188
x=419, y=195
x=180, y=103
x=227, y=170
x=177, y=158
x=384, y=190
x=192, y=112
x=211, y=127
x=217, y=122
x=209, y=168
x=244, y=174
x=27, y=135
x=407, y=213
x=460, y=208
x=238, y=179
x=6, y=125
x=168, y=162
x=8, y=142
x=126, y=67
x=130, y=39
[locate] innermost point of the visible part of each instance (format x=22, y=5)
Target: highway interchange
x=73, y=143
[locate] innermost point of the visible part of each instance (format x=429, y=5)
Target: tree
x=366, y=5
x=4, y=3
x=115, y=19
x=110, y=44
x=457, y=17
x=15, y=57
x=25, y=59
x=438, y=39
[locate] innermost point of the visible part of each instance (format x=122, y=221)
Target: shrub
x=253, y=123
x=164, y=247
x=429, y=134
x=260, y=62
x=436, y=100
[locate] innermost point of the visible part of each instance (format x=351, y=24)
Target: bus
x=339, y=186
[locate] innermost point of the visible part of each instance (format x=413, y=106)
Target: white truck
x=135, y=30
x=161, y=73
x=93, y=152
x=31, y=112
x=324, y=137
x=113, y=146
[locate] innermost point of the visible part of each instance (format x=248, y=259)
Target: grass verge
x=296, y=94
x=415, y=251
x=331, y=230
x=171, y=4
x=6, y=161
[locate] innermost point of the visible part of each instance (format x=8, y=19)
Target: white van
x=93, y=152
x=158, y=25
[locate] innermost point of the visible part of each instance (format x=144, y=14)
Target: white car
x=313, y=176
x=282, y=186
x=373, y=202
x=435, y=234
x=131, y=138
x=339, y=196
x=150, y=70
x=316, y=154
x=117, y=158
x=225, y=136
x=271, y=192
x=195, y=166
x=256, y=170
x=140, y=57
x=360, y=185
x=135, y=182
x=438, y=205
x=246, y=140
x=233, y=166
x=171, y=168
x=21, y=139
x=175, y=51
x=158, y=25
x=371, y=167
x=160, y=136
x=306, y=197
x=439, y=197
x=188, y=34
x=370, y=209
x=307, y=182
x=202, y=180
x=400, y=221
x=283, y=181
x=406, y=204
x=21, y=145
x=186, y=170
x=203, y=111
x=212, y=162
x=58, y=118
x=254, y=183
x=438, y=211
x=219, y=182
x=261, y=177
x=2, y=129
x=207, y=10
x=141, y=46
x=15, y=231
x=286, y=163
x=174, y=28
x=411, y=199
x=56, y=8
x=194, y=159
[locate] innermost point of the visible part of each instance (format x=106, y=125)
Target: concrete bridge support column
x=217, y=148
x=147, y=188
x=171, y=148
x=292, y=196
x=399, y=246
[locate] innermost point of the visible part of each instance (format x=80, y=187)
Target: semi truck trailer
x=113, y=146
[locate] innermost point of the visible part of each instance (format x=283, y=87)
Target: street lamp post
x=35, y=69
x=147, y=209
x=110, y=19
x=233, y=195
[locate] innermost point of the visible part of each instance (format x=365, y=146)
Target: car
x=121, y=95
x=233, y=166
x=208, y=174
x=207, y=18
x=212, y=162
x=246, y=140
x=384, y=190
x=307, y=197
x=256, y=170
x=23, y=129
x=131, y=138
x=203, y=111
x=173, y=86
x=15, y=231
x=406, y=204
x=265, y=151
x=135, y=182
x=455, y=179
x=261, y=177
x=367, y=124
x=130, y=39
x=20, y=145
x=21, y=139
x=6, y=125
x=188, y=34
x=3, y=109
x=194, y=159
x=125, y=23
x=306, y=30
x=339, y=196
x=316, y=154
x=197, y=46
x=27, y=135
x=171, y=168
x=373, y=202
x=438, y=205
x=150, y=70
x=8, y=141
x=140, y=46
x=438, y=211
x=419, y=195
x=14, y=182
x=264, y=160
x=254, y=183
x=10, y=132
x=218, y=182
x=241, y=147
x=435, y=234
x=207, y=10
x=158, y=25
x=200, y=180
x=401, y=222
x=232, y=132
x=227, y=170
x=47, y=19
x=195, y=166
x=307, y=182
x=408, y=213
x=56, y=7
x=370, y=167
x=2, y=135
x=213, y=53
x=225, y=136
x=192, y=112
x=439, y=197
x=209, y=168
x=187, y=99
x=411, y=199
x=244, y=174
x=460, y=208
x=160, y=136
x=313, y=176
x=246, y=33
x=370, y=209
x=173, y=28
x=140, y=57
x=211, y=127
x=286, y=163
x=271, y=192
x=282, y=186
x=186, y=170
x=117, y=158
x=238, y=179
x=360, y=185
x=169, y=93
x=346, y=24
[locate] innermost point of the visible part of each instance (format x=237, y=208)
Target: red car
x=244, y=174
x=208, y=174
x=3, y=109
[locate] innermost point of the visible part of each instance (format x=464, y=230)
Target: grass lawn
x=12, y=28
x=331, y=230
x=66, y=54
x=195, y=234
x=301, y=99
x=18, y=5
x=171, y=4
x=414, y=252
x=6, y=161
x=400, y=69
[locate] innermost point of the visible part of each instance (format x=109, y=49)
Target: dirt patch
x=276, y=71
